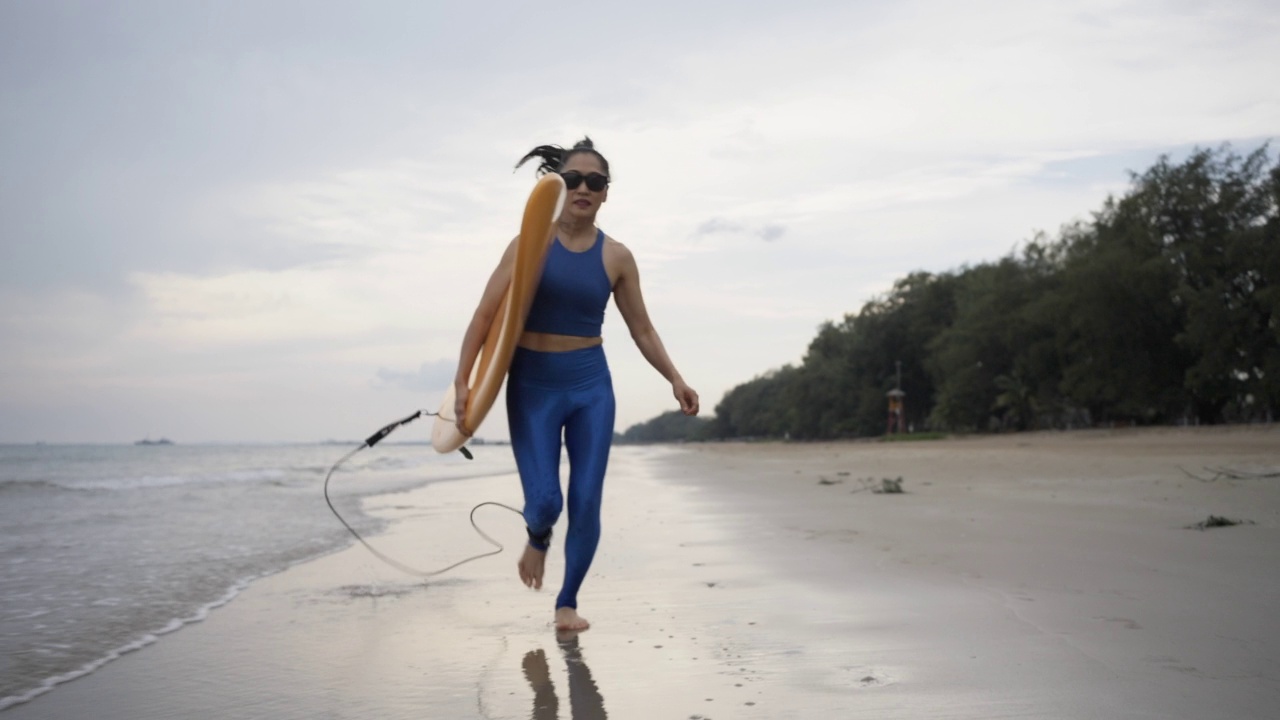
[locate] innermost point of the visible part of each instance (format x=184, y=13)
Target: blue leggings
x=550, y=393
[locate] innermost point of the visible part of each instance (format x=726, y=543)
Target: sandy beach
x=1041, y=575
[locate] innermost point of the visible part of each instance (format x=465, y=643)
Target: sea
x=106, y=548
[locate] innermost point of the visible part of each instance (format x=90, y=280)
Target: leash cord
x=374, y=439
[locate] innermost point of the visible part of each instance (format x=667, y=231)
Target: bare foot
x=568, y=639
x=568, y=618
x=531, y=566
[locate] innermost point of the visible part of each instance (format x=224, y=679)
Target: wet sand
x=1038, y=575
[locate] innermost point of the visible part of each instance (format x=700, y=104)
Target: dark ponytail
x=554, y=157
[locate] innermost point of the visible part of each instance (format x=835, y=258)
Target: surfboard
x=536, y=232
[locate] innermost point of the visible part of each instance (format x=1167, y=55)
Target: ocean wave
x=18, y=485
x=310, y=469
x=143, y=482
x=95, y=496
x=145, y=639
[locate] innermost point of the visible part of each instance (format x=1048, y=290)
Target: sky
x=271, y=221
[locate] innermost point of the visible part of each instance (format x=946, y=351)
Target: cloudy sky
x=270, y=221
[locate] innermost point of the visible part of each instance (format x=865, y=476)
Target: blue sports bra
x=573, y=293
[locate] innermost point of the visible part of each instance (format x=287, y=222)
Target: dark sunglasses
x=595, y=181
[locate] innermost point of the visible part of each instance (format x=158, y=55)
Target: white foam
x=32, y=614
x=157, y=481
x=118, y=479
x=141, y=642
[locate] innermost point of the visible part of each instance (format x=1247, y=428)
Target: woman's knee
x=584, y=513
x=542, y=512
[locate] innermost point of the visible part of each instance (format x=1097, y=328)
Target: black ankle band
x=540, y=541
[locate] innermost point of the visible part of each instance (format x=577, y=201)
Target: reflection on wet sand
x=585, y=701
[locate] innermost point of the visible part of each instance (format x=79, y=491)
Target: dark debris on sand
x=1216, y=521
x=373, y=591
x=883, y=486
x=890, y=486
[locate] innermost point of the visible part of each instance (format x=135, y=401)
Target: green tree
x=758, y=408
x=1181, y=264
x=1166, y=305
x=671, y=426
x=996, y=334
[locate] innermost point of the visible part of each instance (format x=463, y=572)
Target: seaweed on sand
x=1215, y=521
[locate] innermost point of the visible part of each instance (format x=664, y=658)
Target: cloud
x=769, y=233
x=717, y=226
x=430, y=377
x=233, y=209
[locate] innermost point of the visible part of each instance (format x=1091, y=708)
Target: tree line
x=1164, y=308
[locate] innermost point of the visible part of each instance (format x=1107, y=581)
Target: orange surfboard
x=536, y=232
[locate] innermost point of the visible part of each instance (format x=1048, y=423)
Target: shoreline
x=149, y=636
x=1044, y=576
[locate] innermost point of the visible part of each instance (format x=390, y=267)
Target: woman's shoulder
x=613, y=246
x=615, y=252
x=618, y=260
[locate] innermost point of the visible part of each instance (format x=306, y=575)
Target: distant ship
x=149, y=441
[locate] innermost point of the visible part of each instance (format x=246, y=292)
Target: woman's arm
x=630, y=301
x=477, y=330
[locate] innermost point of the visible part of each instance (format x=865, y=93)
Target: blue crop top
x=573, y=292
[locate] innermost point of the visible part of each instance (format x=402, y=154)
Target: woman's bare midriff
x=550, y=342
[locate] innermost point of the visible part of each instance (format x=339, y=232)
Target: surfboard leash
x=374, y=439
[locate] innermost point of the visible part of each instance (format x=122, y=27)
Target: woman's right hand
x=461, y=391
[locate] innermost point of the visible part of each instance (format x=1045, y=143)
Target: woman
x=559, y=381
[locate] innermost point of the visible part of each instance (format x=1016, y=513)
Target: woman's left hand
x=686, y=396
